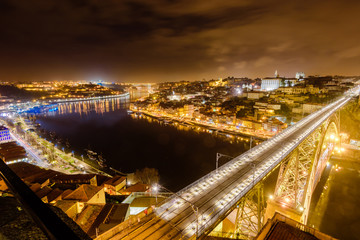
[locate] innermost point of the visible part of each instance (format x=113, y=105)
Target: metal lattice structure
x=250, y=214
x=298, y=176
x=301, y=171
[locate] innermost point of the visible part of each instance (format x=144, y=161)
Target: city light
x=155, y=188
x=200, y=205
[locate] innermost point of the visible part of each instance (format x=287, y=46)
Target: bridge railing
x=245, y=155
x=230, y=205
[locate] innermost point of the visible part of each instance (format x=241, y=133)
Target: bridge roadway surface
x=215, y=194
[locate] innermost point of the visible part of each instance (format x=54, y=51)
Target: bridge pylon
x=250, y=214
x=301, y=171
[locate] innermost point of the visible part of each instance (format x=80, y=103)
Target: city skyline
x=157, y=41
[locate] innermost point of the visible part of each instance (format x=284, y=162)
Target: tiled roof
x=283, y=231
x=115, y=180
x=138, y=187
x=43, y=192
x=65, y=193
x=88, y=215
x=54, y=194
x=65, y=204
x=83, y=193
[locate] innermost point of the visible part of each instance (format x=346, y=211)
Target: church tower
x=276, y=74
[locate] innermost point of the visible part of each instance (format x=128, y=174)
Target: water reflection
x=181, y=153
x=85, y=108
x=93, y=106
x=183, y=126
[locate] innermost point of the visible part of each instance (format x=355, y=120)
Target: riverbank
x=46, y=154
x=90, y=98
x=211, y=128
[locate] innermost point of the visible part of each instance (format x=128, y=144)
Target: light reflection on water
x=84, y=108
x=198, y=129
x=93, y=106
x=130, y=141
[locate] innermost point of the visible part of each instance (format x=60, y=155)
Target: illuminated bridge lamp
x=332, y=137
x=155, y=188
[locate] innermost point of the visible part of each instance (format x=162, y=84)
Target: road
x=63, y=161
x=215, y=194
x=40, y=162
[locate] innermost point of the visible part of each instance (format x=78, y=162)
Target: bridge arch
x=301, y=171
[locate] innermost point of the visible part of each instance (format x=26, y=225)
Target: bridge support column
x=300, y=173
x=293, y=178
x=250, y=214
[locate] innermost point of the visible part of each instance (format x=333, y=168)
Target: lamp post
x=155, y=188
x=218, y=156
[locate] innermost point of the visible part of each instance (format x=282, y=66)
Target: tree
x=147, y=176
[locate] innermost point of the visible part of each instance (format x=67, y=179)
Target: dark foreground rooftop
x=16, y=224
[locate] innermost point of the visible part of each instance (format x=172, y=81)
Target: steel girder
x=296, y=180
x=250, y=214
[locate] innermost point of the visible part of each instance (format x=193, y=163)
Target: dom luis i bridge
x=301, y=153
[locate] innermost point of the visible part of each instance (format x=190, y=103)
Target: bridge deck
x=218, y=192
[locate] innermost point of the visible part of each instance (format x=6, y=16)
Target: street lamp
x=155, y=188
x=218, y=156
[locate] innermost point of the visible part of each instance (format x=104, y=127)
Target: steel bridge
x=300, y=152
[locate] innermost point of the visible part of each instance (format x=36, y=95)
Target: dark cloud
x=156, y=40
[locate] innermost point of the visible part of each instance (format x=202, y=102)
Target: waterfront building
x=4, y=134
x=10, y=153
x=188, y=110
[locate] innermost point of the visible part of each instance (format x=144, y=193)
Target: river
x=129, y=142
x=184, y=154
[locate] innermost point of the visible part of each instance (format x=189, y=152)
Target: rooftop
x=16, y=224
x=83, y=193
x=115, y=180
x=138, y=187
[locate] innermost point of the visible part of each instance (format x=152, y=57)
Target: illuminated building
x=4, y=134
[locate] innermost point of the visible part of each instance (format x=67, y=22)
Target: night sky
x=166, y=40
